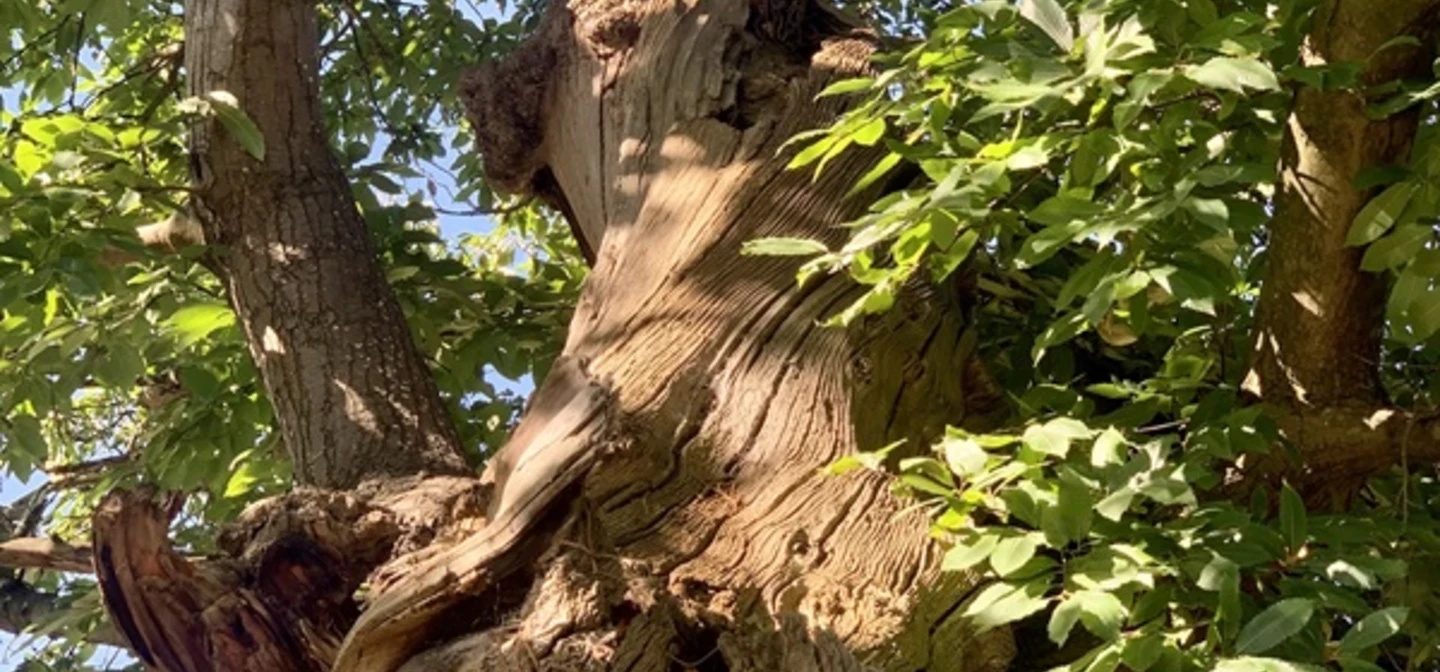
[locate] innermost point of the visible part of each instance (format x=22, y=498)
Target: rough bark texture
x=1319, y=327
x=1319, y=331
x=661, y=505
x=352, y=394
x=697, y=377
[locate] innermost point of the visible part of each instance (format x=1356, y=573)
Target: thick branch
x=1340, y=447
x=1319, y=326
x=41, y=553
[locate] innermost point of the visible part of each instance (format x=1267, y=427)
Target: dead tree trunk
x=661, y=506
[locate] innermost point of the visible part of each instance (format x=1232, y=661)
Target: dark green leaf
x=1373, y=629
x=1276, y=624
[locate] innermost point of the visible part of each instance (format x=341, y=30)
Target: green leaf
x=783, y=247
x=1109, y=448
x=1381, y=213
x=1114, y=506
x=1012, y=553
x=971, y=552
x=1254, y=664
x=193, y=323
x=1141, y=653
x=964, y=456
x=1397, y=248
x=1102, y=613
x=244, y=474
x=1373, y=629
x=1050, y=17
x=239, y=124
x=1002, y=603
x=845, y=86
x=1275, y=625
x=1292, y=518
x=1054, y=437
x=1234, y=74
x=870, y=133
x=1063, y=620
x=1071, y=517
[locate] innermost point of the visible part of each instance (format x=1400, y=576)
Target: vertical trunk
x=352, y=393
x=1319, y=329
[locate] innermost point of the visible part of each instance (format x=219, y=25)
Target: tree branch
x=43, y=553
x=1339, y=448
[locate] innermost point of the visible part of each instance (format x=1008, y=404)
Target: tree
x=1115, y=314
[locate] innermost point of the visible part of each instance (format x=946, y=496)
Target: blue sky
x=452, y=227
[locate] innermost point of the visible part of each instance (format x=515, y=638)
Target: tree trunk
x=351, y=392
x=662, y=505
x=1320, y=323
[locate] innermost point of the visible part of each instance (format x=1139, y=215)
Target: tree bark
x=352, y=394
x=662, y=502
x=697, y=378
x=1320, y=322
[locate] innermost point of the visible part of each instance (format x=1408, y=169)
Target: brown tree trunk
x=353, y=396
x=1320, y=323
x=662, y=504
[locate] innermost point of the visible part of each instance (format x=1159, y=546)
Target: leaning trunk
x=663, y=501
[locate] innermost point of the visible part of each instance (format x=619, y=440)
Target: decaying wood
x=657, y=135
x=662, y=502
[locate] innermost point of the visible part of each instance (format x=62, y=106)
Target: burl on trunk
x=661, y=505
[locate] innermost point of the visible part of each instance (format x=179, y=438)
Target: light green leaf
x=1381, y=213
x=1254, y=664
x=1102, y=613
x=1373, y=629
x=1063, y=620
x=1012, y=553
x=845, y=86
x=193, y=323
x=966, y=554
x=964, y=457
x=1234, y=74
x=783, y=247
x=1050, y=17
x=1114, y=506
x=1109, y=448
x=1054, y=437
x=870, y=133
x=1275, y=625
x=1003, y=603
x=239, y=124
x=243, y=476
